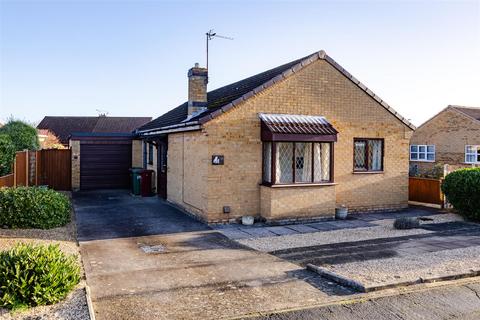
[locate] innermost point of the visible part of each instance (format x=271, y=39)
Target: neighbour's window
x=472, y=154
x=422, y=152
x=297, y=162
x=367, y=155
x=150, y=153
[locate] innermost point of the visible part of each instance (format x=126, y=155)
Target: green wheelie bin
x=136, y=181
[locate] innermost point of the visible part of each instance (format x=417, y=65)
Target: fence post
x=36, y=167
x=27, y=167
x=15, y=171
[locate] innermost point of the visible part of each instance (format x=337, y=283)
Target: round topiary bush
x=462, y=189
x=33, y=207
x=36, y=275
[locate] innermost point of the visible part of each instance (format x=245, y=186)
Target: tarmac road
x=457, y=301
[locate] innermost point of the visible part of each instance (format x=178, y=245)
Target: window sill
x=294, y=185
x=422, y=160
x=368, y=172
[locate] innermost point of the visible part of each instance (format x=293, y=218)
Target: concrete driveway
x=144, y=259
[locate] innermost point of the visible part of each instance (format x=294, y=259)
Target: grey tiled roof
x=227, y=97
x=469, y=111
x=63, y=127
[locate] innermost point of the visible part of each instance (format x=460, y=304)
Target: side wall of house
x=137, y=153
x=450, y=131
x=187, y=172
x=318, y=89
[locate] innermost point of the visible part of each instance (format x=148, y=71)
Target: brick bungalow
x=292, y=142
x=450, y=137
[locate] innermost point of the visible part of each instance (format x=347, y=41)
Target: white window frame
x=475, y=153
x=426, y=153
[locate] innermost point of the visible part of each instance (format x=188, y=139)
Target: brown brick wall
x=318, y=89
x=449, y=131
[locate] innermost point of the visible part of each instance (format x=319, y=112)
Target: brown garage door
x=105, y=165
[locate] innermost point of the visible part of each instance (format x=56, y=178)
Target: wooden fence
x=50, y=167
x=54, y=168
x=425, y=190
x=7, y=181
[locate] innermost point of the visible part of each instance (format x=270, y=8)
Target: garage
x=105, y=161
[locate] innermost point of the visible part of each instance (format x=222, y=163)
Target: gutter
x=166, y=130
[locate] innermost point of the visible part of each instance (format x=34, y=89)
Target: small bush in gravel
x=406, y=223
x=462, y=189
x=33, y=207
x=36, y=275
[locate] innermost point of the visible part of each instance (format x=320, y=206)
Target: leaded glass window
x=284, y=164
x=267, y=161
x=368, y=155
x=296, y=162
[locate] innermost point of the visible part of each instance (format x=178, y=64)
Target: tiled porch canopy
x=293, y=127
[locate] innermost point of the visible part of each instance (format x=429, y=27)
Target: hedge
x=462, y=189
x=33, y=207
x=33, y=275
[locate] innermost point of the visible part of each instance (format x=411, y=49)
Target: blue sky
x=131, y=57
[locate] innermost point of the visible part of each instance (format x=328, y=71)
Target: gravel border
x=75, y=305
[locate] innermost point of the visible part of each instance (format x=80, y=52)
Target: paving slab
x=282, y=231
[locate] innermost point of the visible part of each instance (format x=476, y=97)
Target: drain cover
x=153, y=249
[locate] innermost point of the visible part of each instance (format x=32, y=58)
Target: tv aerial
x=102, y=113
x=211, y=35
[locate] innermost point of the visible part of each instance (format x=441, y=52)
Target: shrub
x=7, y=154
x=23, y=135
x=36, y=275
x=33, y=207
x=406, y=223
x=462, y=189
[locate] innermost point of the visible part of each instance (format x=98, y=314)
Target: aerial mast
x=210, y=35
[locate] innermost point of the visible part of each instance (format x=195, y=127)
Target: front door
x=162, y=168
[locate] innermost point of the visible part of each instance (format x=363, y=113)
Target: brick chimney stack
x=197, y=89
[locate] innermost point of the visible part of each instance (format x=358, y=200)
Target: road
x=456, y=301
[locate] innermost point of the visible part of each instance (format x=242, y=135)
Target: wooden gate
x=425, y=190
x=54, y=168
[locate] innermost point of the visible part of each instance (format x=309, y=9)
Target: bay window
x=367, y=155
x=472, y=154
x=297, y=149
x=297, y=162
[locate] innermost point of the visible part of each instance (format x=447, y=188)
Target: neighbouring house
x=451, y=137
x=48, y=140
x=100, y=148
x=292, y=142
